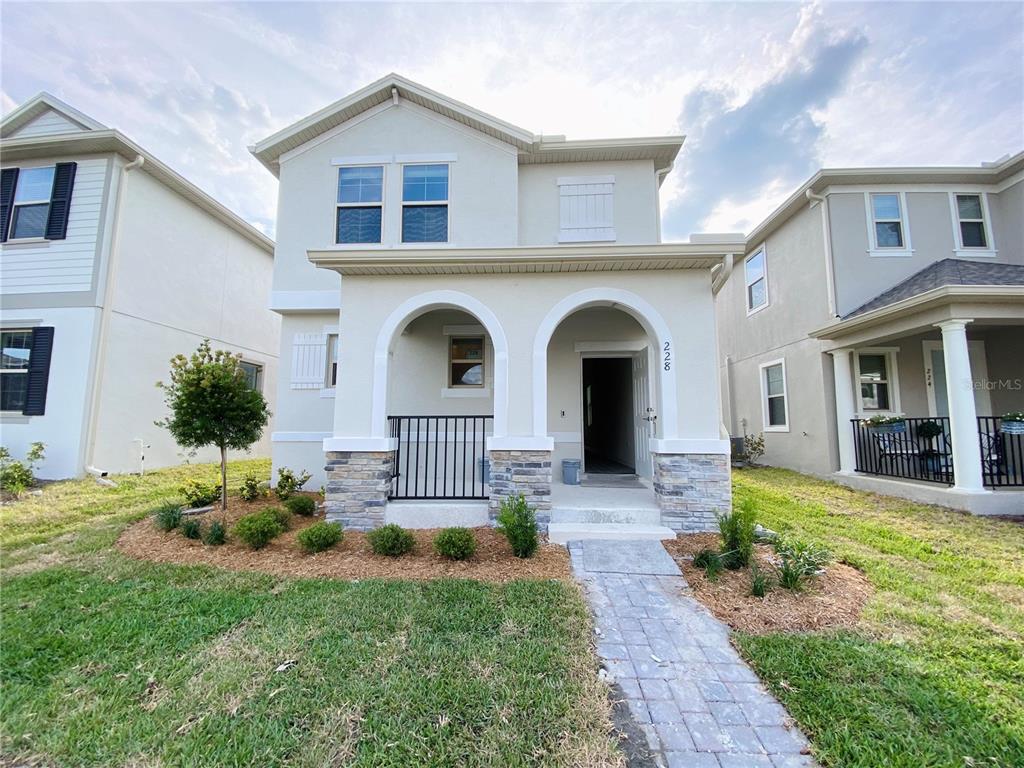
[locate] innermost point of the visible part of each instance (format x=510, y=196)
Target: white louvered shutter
x=309, y=360
x=586, y=212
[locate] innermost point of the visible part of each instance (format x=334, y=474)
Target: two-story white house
x=465, y=305
x=111, y=263
x=886, y=292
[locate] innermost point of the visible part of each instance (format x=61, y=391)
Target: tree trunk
x=223, y=478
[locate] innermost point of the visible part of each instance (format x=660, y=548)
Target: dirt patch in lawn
x=833, y=599
x=351, y=559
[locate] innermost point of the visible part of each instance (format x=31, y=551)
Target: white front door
x=935, y=378
x=642, y=413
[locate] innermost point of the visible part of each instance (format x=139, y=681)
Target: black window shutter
x=38, y=371
x=60, y=201
x=8, y=181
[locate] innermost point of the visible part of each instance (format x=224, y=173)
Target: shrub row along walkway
x=697, y=702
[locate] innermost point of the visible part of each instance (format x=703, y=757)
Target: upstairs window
x=425, y=203
x=466, y=361
x=360, y=204
x=32, y=202
x=887, y=212
x=756, y=277
x=970, y=216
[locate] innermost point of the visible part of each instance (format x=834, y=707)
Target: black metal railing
x=440, y=457
x=1002, y=454
x=921, y=452
x=907, y=454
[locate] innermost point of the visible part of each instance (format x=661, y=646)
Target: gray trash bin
x=483, y=468
x=571, y=471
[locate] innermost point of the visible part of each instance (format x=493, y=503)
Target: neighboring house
x=885, y=292
x=111, y=264
x=465, y=304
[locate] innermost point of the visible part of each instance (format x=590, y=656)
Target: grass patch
x=112, y=661
x=934, y=673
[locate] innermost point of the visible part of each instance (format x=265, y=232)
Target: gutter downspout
x=659, y=177
x=105, y=312
x=827, y=235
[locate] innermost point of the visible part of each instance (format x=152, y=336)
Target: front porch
x=943, y=368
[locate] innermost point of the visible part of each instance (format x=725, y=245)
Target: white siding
x=61, y=265
x=47, y=124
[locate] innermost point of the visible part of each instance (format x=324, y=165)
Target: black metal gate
x=440, y=457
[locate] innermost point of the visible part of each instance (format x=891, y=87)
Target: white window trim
x=959, y=249
x=892, y=364
x=383, y=209
x=762, y=249
x=764, y=396
x=869, y=213
x=447, y=202
x=15, y=206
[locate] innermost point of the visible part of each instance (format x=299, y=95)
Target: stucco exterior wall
x=1007, y=209
x=180, y=276
x=635, y=202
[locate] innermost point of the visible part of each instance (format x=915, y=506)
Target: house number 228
x=667, y=363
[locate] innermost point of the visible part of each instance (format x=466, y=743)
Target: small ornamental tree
x=211, y=403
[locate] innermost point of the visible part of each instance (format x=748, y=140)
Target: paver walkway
x=696, y=700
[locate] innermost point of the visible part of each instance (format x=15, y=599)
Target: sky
x=766, y=93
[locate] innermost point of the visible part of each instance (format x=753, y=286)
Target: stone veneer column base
x=357, y=487
x=525, y=472
x=693, y=489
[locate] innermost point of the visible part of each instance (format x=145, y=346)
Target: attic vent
x=586, y=209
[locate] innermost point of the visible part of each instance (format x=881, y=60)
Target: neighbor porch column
x=845, y=408
x=963, y=419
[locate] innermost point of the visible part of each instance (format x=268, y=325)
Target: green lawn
x=111, y=662
x=934, y=675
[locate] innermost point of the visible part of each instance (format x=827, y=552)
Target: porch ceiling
x=556, y=258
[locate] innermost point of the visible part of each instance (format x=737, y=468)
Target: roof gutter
x=721, y=274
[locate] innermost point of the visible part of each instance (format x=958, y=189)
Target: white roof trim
x=38, y=105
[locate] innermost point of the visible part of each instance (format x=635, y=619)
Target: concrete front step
x=562, y=533
x=622, y=515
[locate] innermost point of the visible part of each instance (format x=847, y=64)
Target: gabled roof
x=96, y=138
x=945, y=273
x=40, y=104
x=531, y=148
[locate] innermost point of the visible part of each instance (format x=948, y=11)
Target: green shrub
x=252, y=488
x=167, y=516
x=199, y=493
x=710, y=561
x=288, y=482
x=760, y=582
x=283, y=517
x=191, y=528
x=390, y=540
x=215, y=535
x=320, y=536
x=301, y=505
x=16, y=477
x=800, y=560
x=455, y=543
x=737, y=529
x=258, y=529
x=518, y=523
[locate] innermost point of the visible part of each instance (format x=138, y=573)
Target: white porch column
x=845, y=408
x=963, y=419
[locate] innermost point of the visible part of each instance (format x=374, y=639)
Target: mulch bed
x=350, y=559
x=833, y=599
